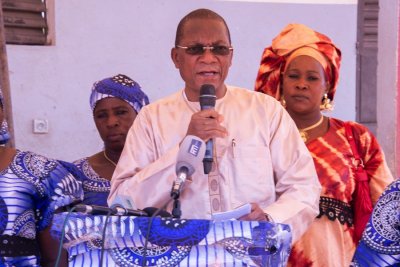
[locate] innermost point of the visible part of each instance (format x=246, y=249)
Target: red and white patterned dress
x=329, y=241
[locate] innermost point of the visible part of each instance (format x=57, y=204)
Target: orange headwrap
x=293, y=37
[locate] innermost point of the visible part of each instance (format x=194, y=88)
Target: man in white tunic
x=259, y=157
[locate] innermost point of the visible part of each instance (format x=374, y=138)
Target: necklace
x=303, y=132
x=109, y=160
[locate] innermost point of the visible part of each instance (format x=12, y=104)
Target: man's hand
x=256, y=214
x=206, y=124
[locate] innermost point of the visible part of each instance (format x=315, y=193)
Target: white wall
x=99, y=38
x=388, y=82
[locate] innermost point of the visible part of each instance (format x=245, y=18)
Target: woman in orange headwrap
x=301, y=69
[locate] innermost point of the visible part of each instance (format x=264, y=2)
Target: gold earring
x=326, y=103
x=283, y=101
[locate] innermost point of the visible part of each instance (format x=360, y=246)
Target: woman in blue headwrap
x=32, y=188
x=115, y=102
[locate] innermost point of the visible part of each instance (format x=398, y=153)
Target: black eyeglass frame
x=217, y=50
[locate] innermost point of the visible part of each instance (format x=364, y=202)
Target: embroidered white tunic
x=262, y=160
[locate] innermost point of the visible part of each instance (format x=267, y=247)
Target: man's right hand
x=206, y=124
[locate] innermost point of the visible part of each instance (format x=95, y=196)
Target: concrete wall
x=99, y=38
x=388, y=83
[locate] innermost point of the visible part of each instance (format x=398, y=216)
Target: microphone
x=190, y=153
x=120, y=210
x=101, y=210
x=124, y=201
x=207, y=101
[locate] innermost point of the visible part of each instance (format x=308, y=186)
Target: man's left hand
x=256, y=214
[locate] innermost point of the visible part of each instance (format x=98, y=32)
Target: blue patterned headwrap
x=4, y=133
x=120, y=86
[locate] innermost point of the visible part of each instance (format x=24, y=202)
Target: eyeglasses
x=218, y=50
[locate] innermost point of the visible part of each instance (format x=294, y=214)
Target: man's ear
x=175, y=57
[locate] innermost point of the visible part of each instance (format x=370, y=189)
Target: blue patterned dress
x=96, y=188
x=32, y=187
x=380, y=243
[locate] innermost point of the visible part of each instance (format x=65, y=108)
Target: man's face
x=207, y=67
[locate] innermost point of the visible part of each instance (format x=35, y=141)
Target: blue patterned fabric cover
x=380, y=243
x=32, y=187
x=173, y=242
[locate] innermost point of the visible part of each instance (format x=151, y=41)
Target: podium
x=171, y=242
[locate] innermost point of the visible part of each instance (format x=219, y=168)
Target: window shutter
x=25, y=21
x=367, y=61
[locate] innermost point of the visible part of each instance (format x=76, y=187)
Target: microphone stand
x=176, y=192
x=176, y=208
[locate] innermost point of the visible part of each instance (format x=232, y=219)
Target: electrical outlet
x=40, y=126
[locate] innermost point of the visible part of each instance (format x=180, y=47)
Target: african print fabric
x=120, y=86
x=329, y=240
x=32, y=188
x=291, y=38
x=173, y=242
x=380, y=243
x=96, y=188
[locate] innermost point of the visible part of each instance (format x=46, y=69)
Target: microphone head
x=191, y=154
x=124, y=201
x=207, y=96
